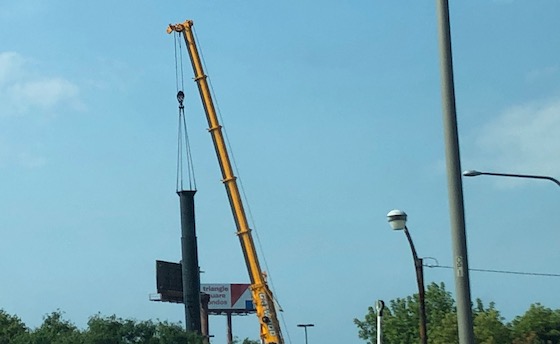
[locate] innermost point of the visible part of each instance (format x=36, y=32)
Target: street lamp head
x=306, y=325
x=397, y=219
x=471, y=173
x=379, y=307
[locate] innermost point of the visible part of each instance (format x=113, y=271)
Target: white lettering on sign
x=267, y=313
x=218, y=288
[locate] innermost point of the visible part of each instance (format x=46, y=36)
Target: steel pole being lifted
x=189, y=263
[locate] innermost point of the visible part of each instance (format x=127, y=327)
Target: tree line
x=100, y=330
x=539, y=324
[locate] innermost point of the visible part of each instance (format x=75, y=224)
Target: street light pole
x=474, y=173
x=454, y=182
x=421, y=294
x=397, y=220
x=305, y=326
x=379, y=307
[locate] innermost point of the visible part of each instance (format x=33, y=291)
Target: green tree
x=539, y=325
x=245, y=341
x=489, y=327
x=55, y=330
x=441, y=315
x=12, y=329
x=401, y=318
x=101, y=330
x=400, y=321
x=115, y=330
x=444, y=332
x=193, y=338
x=171, y=333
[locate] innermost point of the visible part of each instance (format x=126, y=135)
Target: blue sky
x=333, y=111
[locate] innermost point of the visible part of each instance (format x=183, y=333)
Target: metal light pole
x=305, y=326
x=379, y=307
x=474, y=173
x=397, y=220
x=454, y=182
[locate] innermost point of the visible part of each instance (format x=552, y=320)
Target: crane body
x=261, y=294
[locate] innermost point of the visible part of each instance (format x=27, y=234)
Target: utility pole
x=454, y=181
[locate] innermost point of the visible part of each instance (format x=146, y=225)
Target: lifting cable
x=243, y=194
x=183, y=145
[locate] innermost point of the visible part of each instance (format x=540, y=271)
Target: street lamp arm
x=412, y=248
x=523, y=176
x=473, y=173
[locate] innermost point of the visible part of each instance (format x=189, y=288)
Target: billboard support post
x=229, y=329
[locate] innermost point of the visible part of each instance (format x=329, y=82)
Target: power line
x=499, y=271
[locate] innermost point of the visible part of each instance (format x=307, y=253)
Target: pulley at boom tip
x=179, y=27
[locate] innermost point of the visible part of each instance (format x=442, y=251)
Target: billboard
x=229, y=297
x=224, y=297
x=169, y=282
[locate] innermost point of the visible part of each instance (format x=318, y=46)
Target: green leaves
x=101, y=330
x=245, y=341
x=488, y=325
x=539, y=325
x=12, y=328
x=55, y=330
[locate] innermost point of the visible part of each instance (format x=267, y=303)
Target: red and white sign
x=228, y=297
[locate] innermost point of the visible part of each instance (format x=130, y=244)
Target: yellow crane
x=262, y=296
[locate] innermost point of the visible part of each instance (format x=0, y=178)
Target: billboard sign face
x=224, y=297
x=228, y=297
x=169, y=280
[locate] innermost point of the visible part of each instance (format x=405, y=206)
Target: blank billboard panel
x=169, y=280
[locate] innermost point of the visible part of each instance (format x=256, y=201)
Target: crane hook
x=180, y=98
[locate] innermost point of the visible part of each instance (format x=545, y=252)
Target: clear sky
x=333, y=111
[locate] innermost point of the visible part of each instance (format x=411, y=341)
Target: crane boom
x=262, y=296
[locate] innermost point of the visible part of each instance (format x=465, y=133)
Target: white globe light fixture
x=397, y=219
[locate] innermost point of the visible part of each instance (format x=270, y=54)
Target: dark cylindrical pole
x=189, y=263
x=454, y=182
x=420, y=282
x=204, y=300
x=229, y=329
x=421, y=300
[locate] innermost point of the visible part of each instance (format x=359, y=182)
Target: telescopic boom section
x=262, y=296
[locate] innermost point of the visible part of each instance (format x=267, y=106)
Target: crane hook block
x=180, y=97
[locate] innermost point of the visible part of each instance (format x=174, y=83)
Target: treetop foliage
x=539, y=325
x=101, y=330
